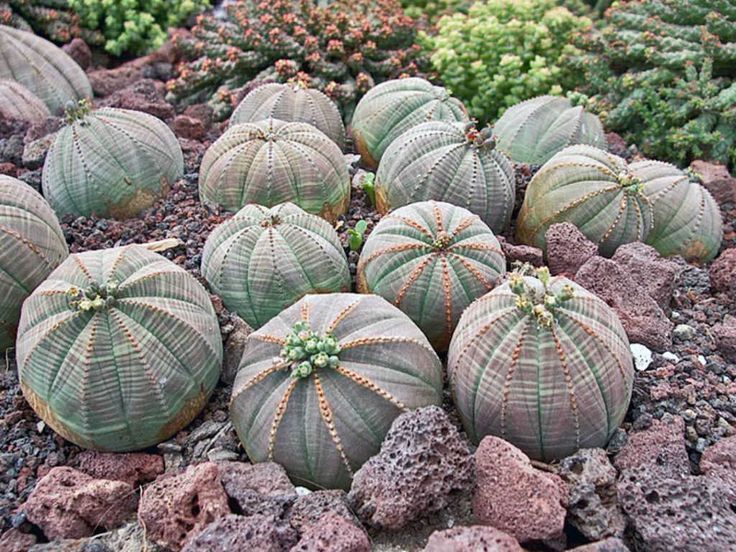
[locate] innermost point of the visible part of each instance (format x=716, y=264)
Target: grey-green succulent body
x=17, y=102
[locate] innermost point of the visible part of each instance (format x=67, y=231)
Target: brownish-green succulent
x=118, y=349
x=542, y=363
x=263, y=260
x=271, y=162
x=431, y=260
x=32, y=244
x=17, y=102
x=320, y=384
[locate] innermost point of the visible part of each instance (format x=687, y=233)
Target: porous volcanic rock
x=69, y=504
x=720, y=456
x=133, y=468
x=662, y=444
x=332, y=533
x=514, y=497
x=717, y=180
x=144, y=95
x=233, y=533
x=15, y=541
x=725, y=336
x=567, y=249
x=723, y=272
x=78, y=50
x=309, y=509
x=422, y=464
x=521, y=253
x=611, y=544
x=262, y=488
x=652, y=272
x=234, y=347
x=480, y=538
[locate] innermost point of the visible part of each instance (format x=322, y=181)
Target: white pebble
x=642, y=356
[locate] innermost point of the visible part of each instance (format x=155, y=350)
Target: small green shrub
x=135, y=26
x=506, y=51
x=432, y=10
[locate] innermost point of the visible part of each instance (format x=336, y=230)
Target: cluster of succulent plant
x=118, y=349
x=32, y=244
x=44, y=69
x=534, y=130
x=395, y=106
x=452, y=162
x=50, y=18
x=342, y=48
x=431, y=260
x=110, y=162
x=17, y=102
x=270, y=162
x=319, y=385
x=433, y=10
x=542, y=363
x=263, y=260
x=661, y=72
x=505, y=51
x=613, y=203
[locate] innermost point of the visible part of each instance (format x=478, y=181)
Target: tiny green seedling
x=356, y=235
x=368, y=183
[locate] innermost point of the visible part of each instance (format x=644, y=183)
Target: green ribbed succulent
x=45, y=70
x=534, y=130
x=118, y=349
x=451, y=162
x=110, y=162
x=292, y=103
x=17, y=102
x=264, y=260
x=393, y=107
x=542, y=363
x=320, y=384
x=431, y=260
x=596, y=191
x=687, y=220
x=32, y=244
x=271, y=162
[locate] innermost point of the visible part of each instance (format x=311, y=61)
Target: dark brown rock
x=15, y=541
x=189, y=127
x=617, y=145
x=641, y=316
x=43, y=128
x=652, y=272
x=133, y=468
x=521, y=253
x=144, y=95
x=723, y=272
x=660, y=445
x=178, y=506
x=716, y=178
x=9, y=169
x=78, y=50
x=567, y=249
x=202, y=112
x=725, y=336
x=309, y=509
x=257, y=488
x=611, y=544
x=69, y=504
x=332, y=533
x=233, y=533
x=480, y=538
x=514, y=497
x=108, y=81
x=234, y=347
x=422, y=464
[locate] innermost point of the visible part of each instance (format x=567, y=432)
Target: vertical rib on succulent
x=17, y=102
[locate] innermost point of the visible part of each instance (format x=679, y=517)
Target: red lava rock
x=723, y=272
x=422, y=464
x=725, y=336
x=521, y=253
x=234, y=347
x=178, y=506
x=15, y=541
x=108, y=81
x=514, y=497
x=142, y=95
x=43, y=128
x=474, y=537
x=189, y=127
x=233, y=533
x=716, y=178
x=641, y=316
x=332, y=533
x=662, y=444
x=611, y=544
x=133, y=468
x=652, y=272
x=262, y=488
x=567, y=249
x=8, y=168
x=70, y=504
x=78, y=50
x=617, y=145
x=719, y=457
x=203, y=112
x=309, y=509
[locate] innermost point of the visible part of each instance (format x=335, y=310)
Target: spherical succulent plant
x=320, y=384
x=17, y=102
x=534, y=130
x=596, y=191
x=32, y=244
x=431, y=260
x=687, y=220
x=292, y=103
x=264, y=260
x=271, y=162
x=450, y=162
x=110, y=162
x=395, y=106
x=542, y=363
x=45, y=70
x=118, y=349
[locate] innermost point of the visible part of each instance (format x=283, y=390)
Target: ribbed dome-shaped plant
x=110, y=162
x=271, y=162
x=44, y=69
x=596, y=191
x=450, y=162
x=292, y=103
x=118, y=349
x=687, y=220
x=534, y=130
x=542, y=363
x=431, y=260
x=32, y=244
x=320, y=384
x=393, y=107
x=264, y=260
x=17, y=102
